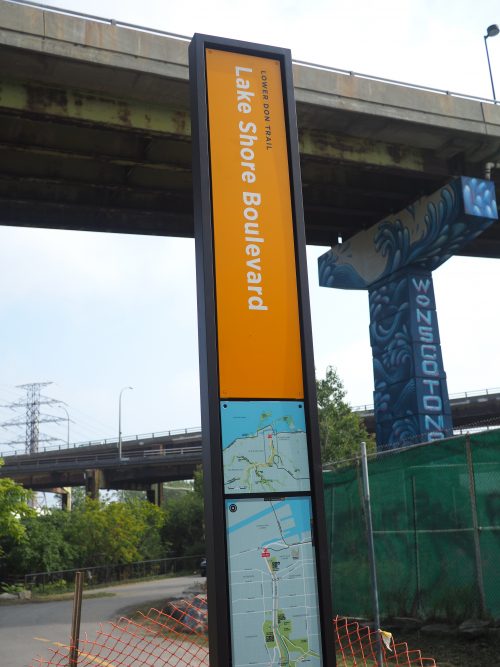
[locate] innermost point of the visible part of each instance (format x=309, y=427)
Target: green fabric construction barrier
x=433, y=559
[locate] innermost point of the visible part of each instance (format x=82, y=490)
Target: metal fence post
x=371, y=552
x=77, y=616
x=476, y=528
x=416, y=544
x=332, y=531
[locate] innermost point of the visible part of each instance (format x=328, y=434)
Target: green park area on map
x=264, y=446
x=272, y=577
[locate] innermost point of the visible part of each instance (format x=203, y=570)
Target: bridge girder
x=84, y=109
x=97, y=162
x=95, y=135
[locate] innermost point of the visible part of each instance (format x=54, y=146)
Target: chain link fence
x=436, y=527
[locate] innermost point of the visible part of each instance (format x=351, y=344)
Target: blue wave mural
x=411, y=399
x=394, y=261
x=424, y=235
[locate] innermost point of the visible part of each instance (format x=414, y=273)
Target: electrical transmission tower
x=31, y=405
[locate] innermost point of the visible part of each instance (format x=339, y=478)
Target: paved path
x=29, y=630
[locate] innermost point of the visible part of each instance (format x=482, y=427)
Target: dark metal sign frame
x=215, y=529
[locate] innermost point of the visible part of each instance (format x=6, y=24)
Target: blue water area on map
x=241, y=419
x=301, y=512
x=300, y=516
x=259, y=502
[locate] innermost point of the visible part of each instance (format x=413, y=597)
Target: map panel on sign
x=272, y=583
x=264, y=447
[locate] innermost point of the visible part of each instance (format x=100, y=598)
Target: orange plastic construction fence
x=357, y=645
x=178, y=638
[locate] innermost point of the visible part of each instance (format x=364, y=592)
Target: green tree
x=198, y=482
x=341, y=430
x=45, y=547
x=13, y=509
x=94, y=533
x=184, y=528
x=149, y=521
x=116, y=532
x=128, y=495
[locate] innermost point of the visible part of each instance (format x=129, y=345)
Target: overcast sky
x=94, y=313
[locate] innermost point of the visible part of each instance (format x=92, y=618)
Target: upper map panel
x=264, y=447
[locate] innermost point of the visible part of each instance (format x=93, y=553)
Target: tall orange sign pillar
x=268, y=567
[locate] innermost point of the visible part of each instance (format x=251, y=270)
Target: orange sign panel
x=255, y=275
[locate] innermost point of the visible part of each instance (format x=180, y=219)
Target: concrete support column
x=93, y=482
x=66, y=499
x=411, y=396
x=393, y=260
x=155, y=494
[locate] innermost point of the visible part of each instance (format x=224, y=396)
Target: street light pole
x=491, y=31
x=120, y=422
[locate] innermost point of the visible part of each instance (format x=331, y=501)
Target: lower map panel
x=273, y=584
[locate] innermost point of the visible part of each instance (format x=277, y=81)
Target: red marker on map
x=265, y=553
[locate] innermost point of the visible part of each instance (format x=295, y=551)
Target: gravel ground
x=457, y=651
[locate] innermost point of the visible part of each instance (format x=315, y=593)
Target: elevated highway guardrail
x=173, y=455
x=168, y=456
x=469, y=409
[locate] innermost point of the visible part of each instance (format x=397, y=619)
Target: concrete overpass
x=150, y=460
x=95, y=134
x=147, y=462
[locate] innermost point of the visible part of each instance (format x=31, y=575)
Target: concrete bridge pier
x=411, y=397
x=65, y=493
x=393, y=261
x=155, y=494
x=93, y=482
x=66, y=498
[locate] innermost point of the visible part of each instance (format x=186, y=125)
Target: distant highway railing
x=108, y=441
x=100, y=459
x=182, y=432
x=453, y=397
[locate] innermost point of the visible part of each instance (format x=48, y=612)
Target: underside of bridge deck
x=86, y=144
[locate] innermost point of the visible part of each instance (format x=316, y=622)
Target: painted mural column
x=394, y=261
x=410, y=397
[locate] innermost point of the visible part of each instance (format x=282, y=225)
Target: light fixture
x=491, y=31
